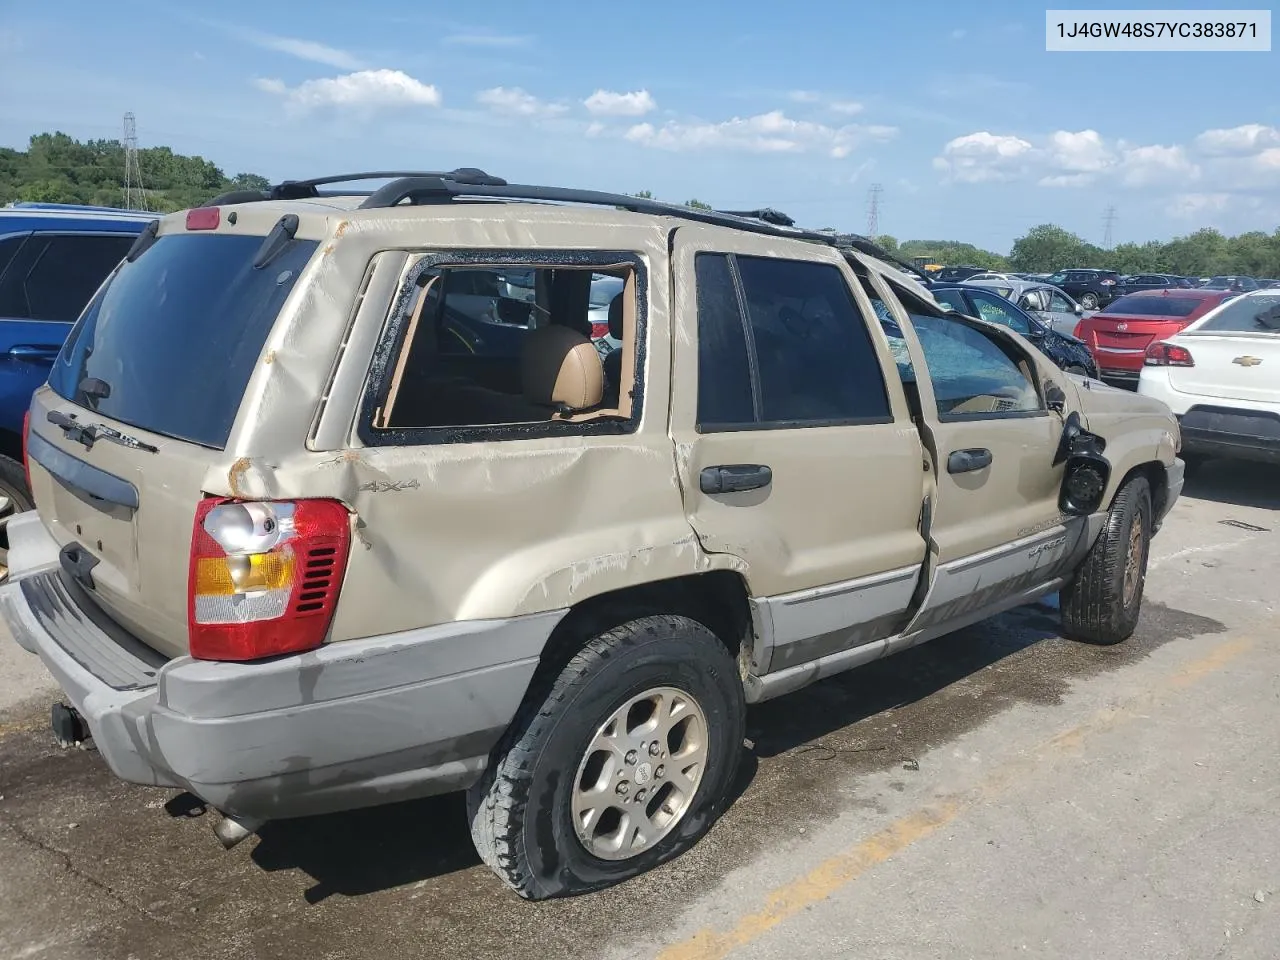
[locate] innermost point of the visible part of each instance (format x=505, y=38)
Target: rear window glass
x=1246, y=315
x=173, y=338
x=1154, y=306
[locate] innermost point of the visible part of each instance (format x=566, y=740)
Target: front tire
x=1102, y=601
x=622, y=762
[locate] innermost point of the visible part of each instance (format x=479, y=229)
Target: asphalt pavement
x=998, y=793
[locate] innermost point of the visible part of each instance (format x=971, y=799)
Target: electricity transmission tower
x=1109, y=218
x=873, y=210
x=135, y=198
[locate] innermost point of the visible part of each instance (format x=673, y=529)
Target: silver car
x=1044, y=300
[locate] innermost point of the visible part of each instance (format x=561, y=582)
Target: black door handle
x=734, y=478
x=966, y=461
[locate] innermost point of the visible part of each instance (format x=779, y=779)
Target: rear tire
x=15, y=498
x=1103, y=600
x=527, y=814
x=1089, y=301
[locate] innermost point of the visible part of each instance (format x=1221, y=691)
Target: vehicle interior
x=489, y=345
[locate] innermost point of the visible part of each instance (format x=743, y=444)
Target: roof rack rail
x=309, y=189
x=767, y=214
x=447, y=188
x=872, y=249
x=303, y=189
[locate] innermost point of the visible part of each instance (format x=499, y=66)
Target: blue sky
x=973, y=131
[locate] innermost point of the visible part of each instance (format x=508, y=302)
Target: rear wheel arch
x=718, y=599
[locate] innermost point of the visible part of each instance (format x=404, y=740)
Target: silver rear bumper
x=351, y=724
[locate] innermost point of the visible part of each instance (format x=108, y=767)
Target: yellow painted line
x=838, y=871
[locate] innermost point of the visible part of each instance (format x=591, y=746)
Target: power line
x=1109, y=218
x=873, y=210
x=135, y=198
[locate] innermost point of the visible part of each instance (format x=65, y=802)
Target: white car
x=1221, y=378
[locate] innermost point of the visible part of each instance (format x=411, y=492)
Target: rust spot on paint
x=270, y=357
x=342, y=228
x=236, y=474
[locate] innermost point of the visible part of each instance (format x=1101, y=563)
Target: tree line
x=59, y=169
x=56, y=168
x=1046, y=248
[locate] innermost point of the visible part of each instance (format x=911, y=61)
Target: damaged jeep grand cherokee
x=337, y=504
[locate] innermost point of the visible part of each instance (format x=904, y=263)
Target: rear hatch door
x=1236, y=351
x=140, y=405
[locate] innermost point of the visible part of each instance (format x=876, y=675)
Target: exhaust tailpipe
x=69, y=727
x=231, y=830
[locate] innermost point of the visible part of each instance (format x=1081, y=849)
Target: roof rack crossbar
x=301, y=189
x=767, y=214
x=435, y=188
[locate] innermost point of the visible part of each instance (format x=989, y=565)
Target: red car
x=1118, y=334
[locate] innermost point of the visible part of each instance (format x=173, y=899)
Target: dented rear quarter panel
x=469, y=530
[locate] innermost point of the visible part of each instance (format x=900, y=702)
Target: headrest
x=561, y=367
x=615, y=317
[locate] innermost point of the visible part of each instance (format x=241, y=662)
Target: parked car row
x=52, y=258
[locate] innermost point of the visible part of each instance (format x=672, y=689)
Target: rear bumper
x=1211, y=431
x=351, y=724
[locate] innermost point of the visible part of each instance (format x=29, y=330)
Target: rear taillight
x=1161, y=354
x=1108, y=283
x=1078, y=332
x=26, y=432
x=264, y=576
x=599, y=331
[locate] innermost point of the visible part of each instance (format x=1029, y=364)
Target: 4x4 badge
x=1247, y=361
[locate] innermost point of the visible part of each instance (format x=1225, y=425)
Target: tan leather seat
x=560, y=368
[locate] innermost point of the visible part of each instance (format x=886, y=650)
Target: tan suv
x=340, y=501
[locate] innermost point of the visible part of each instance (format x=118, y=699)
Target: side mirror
x=1087, y=473
x=1079, y=310
x=1083, y=483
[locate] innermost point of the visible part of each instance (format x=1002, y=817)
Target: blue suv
x=53, y=257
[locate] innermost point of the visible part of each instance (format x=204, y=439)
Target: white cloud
x=805, y=96
x=1237, y=141
x=307, y=50
x=516, y=102
x=1064, y=159
x=1067, y=180
x=959, y=33
x=609, y=103
x=1144, y=166
x=772, y=132
x=984, y=156
x=364, y=88
x=1081, y=152
x=497, y=40
x=1269, y=159
x=595, y=128
x=1189, y=205
x=847, y=107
